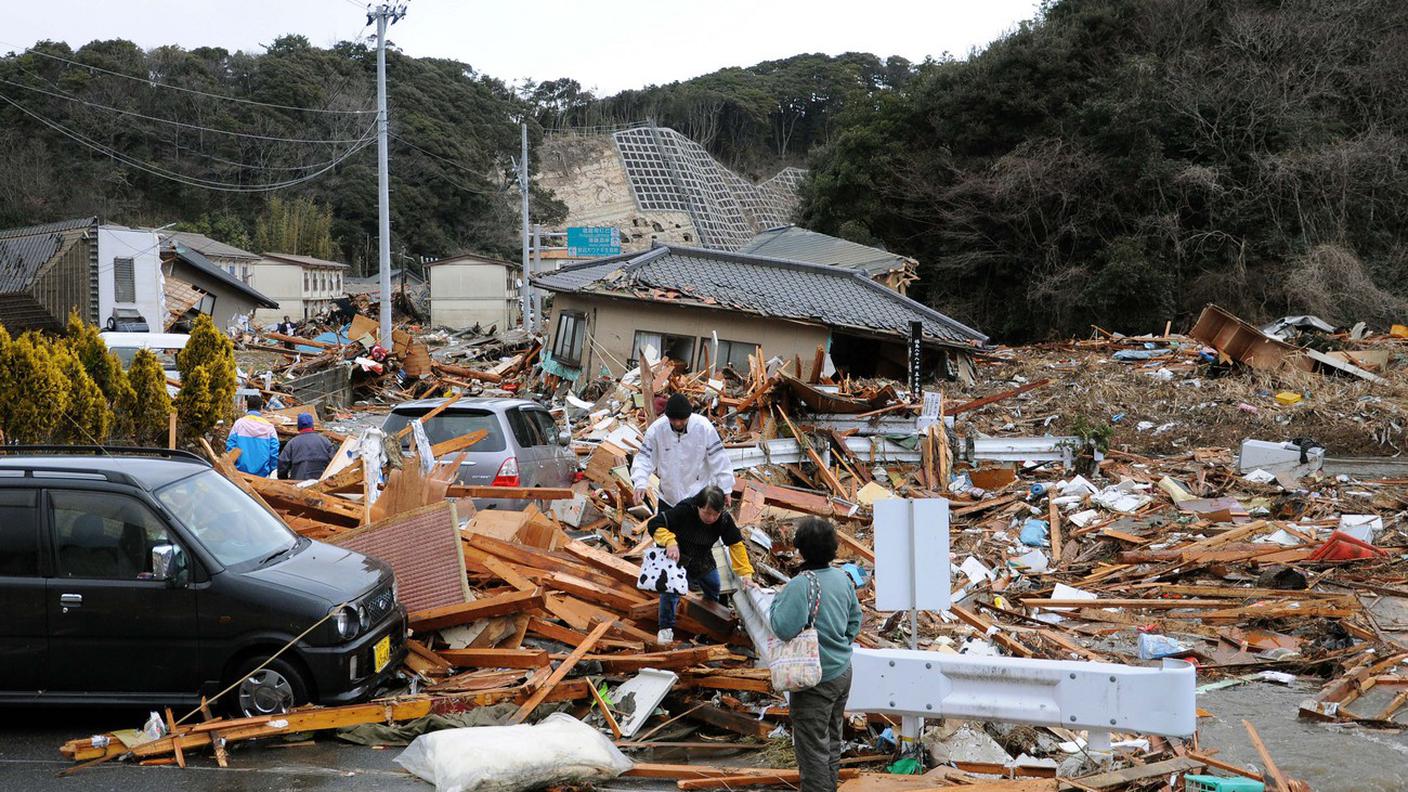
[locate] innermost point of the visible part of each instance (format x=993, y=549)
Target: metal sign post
x=912, y=569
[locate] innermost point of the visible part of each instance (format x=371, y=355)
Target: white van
x=165, y=345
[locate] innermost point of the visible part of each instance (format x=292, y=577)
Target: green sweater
x=837, y=620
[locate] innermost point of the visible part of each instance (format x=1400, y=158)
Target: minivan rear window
x=451, y=424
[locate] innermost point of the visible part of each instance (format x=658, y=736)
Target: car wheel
x=272, y=690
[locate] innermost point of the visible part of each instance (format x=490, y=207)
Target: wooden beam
x=996, y=397
x=458, y=443
x=559, y=673
x=515, y=493
x=453, y=615
x=410, y=427
x=778, y=778
x=496, y=658
x=739, y=724
x=1274, y=772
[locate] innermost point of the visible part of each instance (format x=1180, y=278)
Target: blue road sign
x=593, y=241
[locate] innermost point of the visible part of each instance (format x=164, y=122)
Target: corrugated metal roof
x=25, y=251
x=303, y=261
x=215, y=271
x=799, y=244
x=764, y=286
x=212, y=248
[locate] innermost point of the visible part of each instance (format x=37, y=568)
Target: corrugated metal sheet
x=763, y=286
x=205, y=245
x=799, y=244
x=25, y=251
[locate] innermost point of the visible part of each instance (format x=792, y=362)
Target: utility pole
x=526, y=293
x=383, y=14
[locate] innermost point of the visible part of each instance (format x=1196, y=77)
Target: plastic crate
x=1207, y=783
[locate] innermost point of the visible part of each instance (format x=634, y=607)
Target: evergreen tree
x=205, y=402
x=105, y=368
x=195, y=403
x=86, y=419
x=150, y=403
x=36, y=392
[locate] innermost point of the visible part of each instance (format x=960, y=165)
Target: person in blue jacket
x=256, y=439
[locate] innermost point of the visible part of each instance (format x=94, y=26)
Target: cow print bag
x=661, y=575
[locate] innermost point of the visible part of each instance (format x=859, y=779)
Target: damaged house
x=711, y=308
x=798, y=244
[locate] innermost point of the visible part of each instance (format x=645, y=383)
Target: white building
x=107, y=273
x=471, y=289
x=303, y=286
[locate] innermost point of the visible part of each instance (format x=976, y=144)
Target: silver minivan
x=524, y=446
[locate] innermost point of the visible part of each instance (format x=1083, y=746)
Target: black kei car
x=145, y=577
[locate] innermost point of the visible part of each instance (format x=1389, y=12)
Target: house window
x=571, y=332
x=124, y=281
x=731, y=353
x=674, y=347
x=307, y=282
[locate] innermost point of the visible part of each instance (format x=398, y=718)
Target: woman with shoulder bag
x=822, y=598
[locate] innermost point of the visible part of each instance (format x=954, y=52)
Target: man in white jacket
x=685, y=451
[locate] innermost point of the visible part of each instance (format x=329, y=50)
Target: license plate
x=381, y=653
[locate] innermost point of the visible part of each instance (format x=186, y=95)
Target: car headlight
x=346, y=621
x=364, y=617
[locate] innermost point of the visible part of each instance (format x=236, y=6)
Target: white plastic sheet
x=559, y=750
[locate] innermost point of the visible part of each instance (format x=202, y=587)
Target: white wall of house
x=280, y=282
x=117, y=246
x=463, y=293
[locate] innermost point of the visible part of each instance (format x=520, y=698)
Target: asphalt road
x=30, y=760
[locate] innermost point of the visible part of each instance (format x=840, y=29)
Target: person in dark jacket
x=688, y=532
x=307, y=454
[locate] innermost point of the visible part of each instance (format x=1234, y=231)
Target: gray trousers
x=818, y=716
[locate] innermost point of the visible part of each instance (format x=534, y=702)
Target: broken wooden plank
x=558, y=674
x=452, y=615
x=511, y=493
x=496, y=658
x=745, y=725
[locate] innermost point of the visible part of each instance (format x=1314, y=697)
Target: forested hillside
x=454, y=134
x=755, y=119
x=1122, y=163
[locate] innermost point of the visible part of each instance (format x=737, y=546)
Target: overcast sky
x=606, y=45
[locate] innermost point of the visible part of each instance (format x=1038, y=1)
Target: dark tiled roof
x=204, y=245
x=763, y=286
x=215, y=272
x=25, y=251
x=799, y=244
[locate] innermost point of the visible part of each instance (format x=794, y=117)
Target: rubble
x=1075, y=535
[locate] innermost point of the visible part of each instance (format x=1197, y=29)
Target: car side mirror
x=167, y=562
x=564, y=438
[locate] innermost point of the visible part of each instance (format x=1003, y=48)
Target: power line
x=170, y=175
x=182, y=124
x=155, y=84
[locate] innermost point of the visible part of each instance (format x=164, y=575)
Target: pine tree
x=209, y=350
x=9, y=389
x=105, y=368
x=195, y=405
x=37, y=392
x=150, y=403
x=86, y=419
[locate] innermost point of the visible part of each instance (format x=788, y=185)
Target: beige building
x=469, y=289
x=303, y=286
x=706, y=309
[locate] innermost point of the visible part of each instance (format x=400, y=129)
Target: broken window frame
x=571, y=328
x=706, y=346
x=666, y=340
